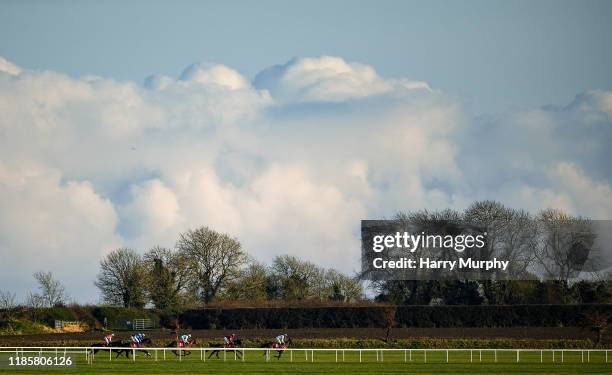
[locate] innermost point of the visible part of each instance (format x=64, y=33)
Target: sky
x=285, y=123
x=491, y=55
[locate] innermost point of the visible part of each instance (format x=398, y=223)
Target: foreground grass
x=325, y=363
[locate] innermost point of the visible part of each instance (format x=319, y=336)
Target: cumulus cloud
x=289, y=163
x=50, y=224
x=327, y=79
x=8, y=67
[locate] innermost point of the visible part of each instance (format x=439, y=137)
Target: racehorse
x=276, y=346
x=130, y=345
x=181, y=345
x=237, y=344
x=113, y=344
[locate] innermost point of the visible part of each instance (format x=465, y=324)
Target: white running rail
x=332, y=354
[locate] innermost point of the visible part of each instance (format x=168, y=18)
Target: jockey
x=229, y=340
x=137, y=338
x=185, y=339
x=109, y=338
x=280, y=339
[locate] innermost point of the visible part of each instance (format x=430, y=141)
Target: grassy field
x=302, y=362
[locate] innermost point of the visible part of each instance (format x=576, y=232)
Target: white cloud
x=50, y=224
x=8, y=67
x=327, y=79
x=215, y=75
x=288, y=164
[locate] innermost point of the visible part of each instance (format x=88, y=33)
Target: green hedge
x=497, y=316
x=332, y=317
x=406, y=316
x=92, y=315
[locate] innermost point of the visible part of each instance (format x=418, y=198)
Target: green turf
x=325, y=363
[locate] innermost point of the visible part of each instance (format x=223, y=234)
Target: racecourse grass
x=325, y=363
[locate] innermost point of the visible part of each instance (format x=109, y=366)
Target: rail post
x=164, y=354
x=446, y=355
x=582, y=356
x=425, y=354
x=155, y=355
x=133, y=355
x=410, y=354
x=517, y=355
x=553, y=355
x=343, y=355
x=471, y=356
x=541, y=356
x=382, y=355
x=290, y=355
x=405, y=355
x=561, y=355
x=336, y=355
x=360, y=356
x=589, y=356
x=224, y=354
x=312, y=356
x=110, y=356
x=480, y=355
x=495, y=354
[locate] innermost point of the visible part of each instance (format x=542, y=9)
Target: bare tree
x=8, y=300
x=8, y=304
x=122, y=278
x=389, y=317
x=34, y=300
x=214, y=259
x=565, y=243
x=600, y=323
x=511, y=234
x=52, y=291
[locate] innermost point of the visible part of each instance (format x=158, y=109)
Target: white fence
x=327, y=355
x=142, y=324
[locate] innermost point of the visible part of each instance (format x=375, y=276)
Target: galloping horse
x=237, y=344
x=276, y=346
x=179, y=344
x=114, y=344
x=130, y=345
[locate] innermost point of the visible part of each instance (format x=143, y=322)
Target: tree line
x=550, y=254
x=206, y=265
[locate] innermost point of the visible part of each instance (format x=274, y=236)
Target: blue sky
x=285, y=124
x=492, y=55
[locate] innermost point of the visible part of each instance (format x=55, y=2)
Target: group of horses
x=120, y=347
